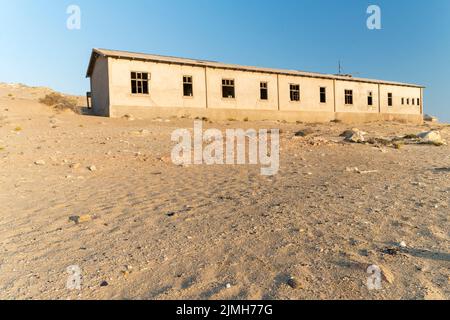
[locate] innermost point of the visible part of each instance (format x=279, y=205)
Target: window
x=188, y=89
x=418, y=101
x=390, y=99
x=413, y=101
x=403, y=101
x=228, y=89
x=407, y=101
x=295, y=92
x=264, y=95
x=323, y=95
x=139, y=82
x=348, y=97
x=370, y=98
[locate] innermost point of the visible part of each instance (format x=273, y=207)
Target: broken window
x=188, y=88
x=228, y=89
x=323, y=95
x=139, y=82
x=264, y=94
x=295, y=92
x=348, y=97
x=390, y=99
x=370, y=98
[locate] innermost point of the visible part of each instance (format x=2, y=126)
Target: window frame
x=390, y=99
x=262, y=88
x=233, y=85
x=188, y=83
x=323, y=95
x=348, y=94
x=370, y=98
x=294, y=88
x=138, y=83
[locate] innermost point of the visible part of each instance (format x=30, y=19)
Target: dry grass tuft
x=60, y=102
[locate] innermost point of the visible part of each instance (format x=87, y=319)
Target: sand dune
x=153, y=230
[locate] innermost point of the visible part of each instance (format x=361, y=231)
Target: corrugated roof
x=213, y=64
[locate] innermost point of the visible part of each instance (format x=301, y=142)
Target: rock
x=104, y=284
x=39, y=162
x=304, y=133
x=228, y=285
x=403, y=244
x=354, y=135
x=92, y=168
x=293, y=283
x=81, y=219
x=429, y=118
x=431, y=137
x=387, y=274
x=129, y=117
x=75, y=165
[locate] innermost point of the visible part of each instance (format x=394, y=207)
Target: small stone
x=92, y=168
x=293, y=283
x=228, y=285
x=387, y=274
x=81, y=219
x=40, y=163
x=104, y=284
x=75, y=165
x=403, y=244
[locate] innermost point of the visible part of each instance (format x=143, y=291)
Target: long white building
x=149, y=86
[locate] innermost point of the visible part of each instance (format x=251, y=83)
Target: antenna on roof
x=341, y=73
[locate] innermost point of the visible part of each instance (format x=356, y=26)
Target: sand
x=103, y=194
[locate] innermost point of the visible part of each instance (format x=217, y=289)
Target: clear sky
x=311, y=35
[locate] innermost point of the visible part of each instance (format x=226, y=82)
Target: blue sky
x=311, y=35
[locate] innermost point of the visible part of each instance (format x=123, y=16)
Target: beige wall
x=247, y=90
x=100, y=87
x=309, y=94
x=166, y=92
x=166, y=85
x=360, y=97
x=398, y=93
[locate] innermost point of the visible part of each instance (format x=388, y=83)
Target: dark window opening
x=323, y=95
x=370, y=99
x=139, y=83
x=413, y=101
x=407, y=101
x=390, y=100
x=348, y=97
x=264, y=94
x=418, y=101
x=188, y=87
x=228, y=89
x=295, y=92
x=403, y=101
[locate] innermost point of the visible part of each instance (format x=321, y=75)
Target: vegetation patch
x=60, y=102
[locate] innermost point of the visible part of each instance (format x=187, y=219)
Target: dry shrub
x=60, y=102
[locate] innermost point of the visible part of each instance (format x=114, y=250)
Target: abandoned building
x=150, y=86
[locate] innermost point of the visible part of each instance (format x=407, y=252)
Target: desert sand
x=103, y=194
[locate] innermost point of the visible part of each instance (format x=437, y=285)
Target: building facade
x=149, y=86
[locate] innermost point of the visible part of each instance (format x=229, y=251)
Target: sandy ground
x=160, y=231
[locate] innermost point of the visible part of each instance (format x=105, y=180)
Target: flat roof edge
x=216, y=65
